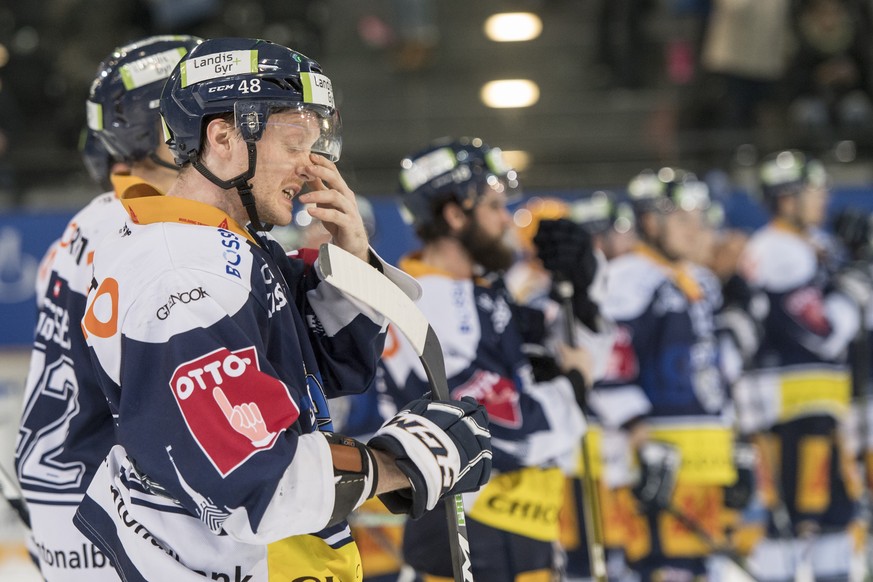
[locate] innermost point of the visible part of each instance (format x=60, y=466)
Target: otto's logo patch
x=497, y=394
x=232, y=408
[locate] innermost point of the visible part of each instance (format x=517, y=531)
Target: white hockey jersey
x=66, y=429
x=216, y=353
x=800, y=367
x=665, y=362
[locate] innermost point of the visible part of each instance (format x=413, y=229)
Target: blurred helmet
x=98, y=161
x=601, y=211
x=787, y=173
x=667, y=190
x=250, y=79
x=122, y=106
x=527, y=218
x=461, y=170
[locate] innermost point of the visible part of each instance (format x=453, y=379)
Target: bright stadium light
x=513, y=26
x=510, y=93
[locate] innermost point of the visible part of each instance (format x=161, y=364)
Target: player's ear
x=219, y=134
x=454, y=216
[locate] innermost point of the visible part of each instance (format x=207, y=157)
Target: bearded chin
x=491, y=253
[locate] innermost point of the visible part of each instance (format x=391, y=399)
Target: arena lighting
x=519, y=160
x=513, y=26
x=510, y=93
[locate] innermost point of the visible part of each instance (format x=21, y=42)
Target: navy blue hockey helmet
x=460, y=170
x=787, y=173
x=122, y=106
x=667, y=190
x=251, y=79
x=601, y=211
x=98, y=161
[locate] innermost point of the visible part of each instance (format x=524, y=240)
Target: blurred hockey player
x=570, y=249
x=797, y=397
x=664, y=386
x=216, y=352
x=455, y=193
x=66, y=428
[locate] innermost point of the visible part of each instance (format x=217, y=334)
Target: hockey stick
x=12, y=494
x=711, y=544
x=367, y=285
x=590, y=498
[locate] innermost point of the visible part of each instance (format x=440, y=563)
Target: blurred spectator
x=744, y=55
x=829, y=81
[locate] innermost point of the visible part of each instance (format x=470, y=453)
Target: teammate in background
x=664, y=386
x=798, y=396
x=66, y=428
x=216, y=352
x=608, y=221
x=609, y=218
x=455, y=194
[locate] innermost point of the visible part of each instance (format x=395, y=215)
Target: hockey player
x=216, y=352
x=664, y=386
x=798, y=396
x=66, y=428
x=455, y=193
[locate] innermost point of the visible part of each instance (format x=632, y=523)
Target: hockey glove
x=565, y=248
x=738, y=495
x=443, y=447
x=659, y=465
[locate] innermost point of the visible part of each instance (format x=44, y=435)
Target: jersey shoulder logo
x=497, y=394
x=623, y=365
x=232, y=409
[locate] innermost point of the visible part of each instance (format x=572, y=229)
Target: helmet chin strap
x=241, y=183
x=163, y=163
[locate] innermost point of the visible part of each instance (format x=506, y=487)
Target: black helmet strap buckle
x=241, y=183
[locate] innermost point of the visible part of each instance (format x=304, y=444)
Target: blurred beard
x=491, y=253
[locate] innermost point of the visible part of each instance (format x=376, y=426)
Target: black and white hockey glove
x=443, y=447
x=659, y=466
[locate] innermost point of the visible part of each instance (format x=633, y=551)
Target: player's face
x=283, y=154
x=812, y=205
x=484, y=235
x=680, y=234
x=491, y=215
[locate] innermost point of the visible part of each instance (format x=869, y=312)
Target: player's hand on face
x=335, y=206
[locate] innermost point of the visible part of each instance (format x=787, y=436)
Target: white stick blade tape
x=366, y=284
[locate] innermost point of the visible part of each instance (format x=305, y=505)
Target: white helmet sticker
x=94, y=115
x=426, y=168
x=216, y=65
x=151, y=68
x=317, y=89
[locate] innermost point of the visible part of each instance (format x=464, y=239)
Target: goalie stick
x=367, y=285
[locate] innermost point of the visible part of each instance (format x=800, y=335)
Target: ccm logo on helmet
x=163, y=312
